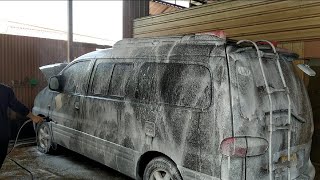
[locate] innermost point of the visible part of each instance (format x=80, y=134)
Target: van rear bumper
x=188, y=174
x=256, y=167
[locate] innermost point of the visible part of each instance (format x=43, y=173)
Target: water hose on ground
x=14, y=145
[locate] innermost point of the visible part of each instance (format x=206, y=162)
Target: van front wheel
x=161, y=168
x=44, y=138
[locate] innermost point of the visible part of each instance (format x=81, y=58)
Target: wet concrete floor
x=64, y=164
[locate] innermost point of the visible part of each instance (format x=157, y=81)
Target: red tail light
x=243, y=146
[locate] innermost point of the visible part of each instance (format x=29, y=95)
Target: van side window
x=120, y=76
x=75, y=77
x=186, y=85
x=101, y=79
x=146, y=89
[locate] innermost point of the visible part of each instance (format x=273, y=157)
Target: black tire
x=44, y=138
x=162, y=167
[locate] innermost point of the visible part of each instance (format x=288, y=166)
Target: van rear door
x=252, y=111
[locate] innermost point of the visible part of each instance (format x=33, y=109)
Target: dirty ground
x=65, y=164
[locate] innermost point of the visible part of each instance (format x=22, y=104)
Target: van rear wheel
x=161, y=168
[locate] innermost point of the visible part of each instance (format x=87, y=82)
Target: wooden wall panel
x=273, y=20
x=297, y=47
x=312, y=49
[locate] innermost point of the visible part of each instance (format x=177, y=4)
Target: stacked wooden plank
x=272, y=19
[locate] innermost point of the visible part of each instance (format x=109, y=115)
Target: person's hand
x=37, y=119
x=34, y=118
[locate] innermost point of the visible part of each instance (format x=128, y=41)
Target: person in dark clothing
x=8, y=100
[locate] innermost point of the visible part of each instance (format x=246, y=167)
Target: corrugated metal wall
x=21, y=57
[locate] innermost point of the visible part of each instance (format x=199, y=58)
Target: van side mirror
x=54, y=83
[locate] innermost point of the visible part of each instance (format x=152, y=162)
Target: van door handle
x=76, y=105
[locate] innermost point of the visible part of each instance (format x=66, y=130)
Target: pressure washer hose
x=15, y=142
x=14, y=145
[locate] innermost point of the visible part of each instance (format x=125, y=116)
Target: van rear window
x=187, y=85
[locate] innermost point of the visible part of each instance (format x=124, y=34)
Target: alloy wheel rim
x=44, y=137
x=160, y=174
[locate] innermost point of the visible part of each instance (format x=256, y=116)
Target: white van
x=185, y=107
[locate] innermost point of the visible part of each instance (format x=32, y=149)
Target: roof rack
x=153, y=41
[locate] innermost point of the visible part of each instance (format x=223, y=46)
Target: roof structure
x=159, y=7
